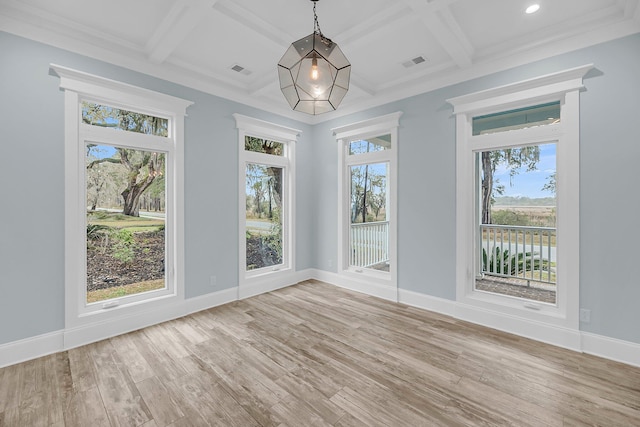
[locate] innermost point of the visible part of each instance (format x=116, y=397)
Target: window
x=123, y=198
x=266, y=181
x=517, y=243
x=367, y=204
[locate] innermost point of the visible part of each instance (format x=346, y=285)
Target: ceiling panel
x=218, y=43
x=134, y=21
x=196, y=42
x=380, y=57
x=491, y=22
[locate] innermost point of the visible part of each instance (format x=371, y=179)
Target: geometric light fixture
x=314, y=73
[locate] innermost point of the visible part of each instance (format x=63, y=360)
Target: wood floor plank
x=85, y=408
x=10, y=417
x=162, y=406
x=316, y=354
x=83, y=374
x=10, y=387
x=121, y=399
x=136, y=365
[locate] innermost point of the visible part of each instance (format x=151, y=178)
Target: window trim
x=267, y=278
x=564, y=86
x=79, y=86
x=382, y=284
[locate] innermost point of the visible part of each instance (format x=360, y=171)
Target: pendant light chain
x=316, y=26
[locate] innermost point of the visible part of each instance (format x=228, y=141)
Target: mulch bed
x=260, y=254
x=104, y=271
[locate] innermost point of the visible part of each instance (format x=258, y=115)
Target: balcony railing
x=527, y=253
x=369, y=244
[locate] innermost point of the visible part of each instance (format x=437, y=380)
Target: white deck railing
x=527, y=253
x=369, y=243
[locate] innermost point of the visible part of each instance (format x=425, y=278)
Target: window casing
x=562, y=88
x=367, y=237
x=82, y=88
x=266, y=188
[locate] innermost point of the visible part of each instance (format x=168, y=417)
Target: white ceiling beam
x=250, y=20
x=440, y=4
x=377, y=22
x=177, y=24
x=448, y=38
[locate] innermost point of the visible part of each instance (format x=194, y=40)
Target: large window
x=123, y=160
x=367, y=208
x=267, y=155
x=517, y=210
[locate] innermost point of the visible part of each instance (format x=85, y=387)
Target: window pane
x=263, y=219
x=369, y=221
x=370, y=145
x=115, y=118
x=125, y=196
x=521, y=118
x=517, y=222
x=265, y=146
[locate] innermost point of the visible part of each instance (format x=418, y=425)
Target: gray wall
x=609, y=194
x=31, y=228
x=32, y=183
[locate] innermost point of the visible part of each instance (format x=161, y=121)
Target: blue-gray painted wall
x=31, y=221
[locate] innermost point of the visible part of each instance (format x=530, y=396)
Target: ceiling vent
x=415, y=61
x=240, y=69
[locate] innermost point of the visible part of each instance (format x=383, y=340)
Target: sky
x=529, y=184
x=103, y=151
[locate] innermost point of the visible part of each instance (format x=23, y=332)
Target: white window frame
x=78, y=87
x=565, y=87
x=379, y=283
x=264, y=279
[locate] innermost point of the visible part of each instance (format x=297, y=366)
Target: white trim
x=611, y=348
x=148, y=316
x=531, y=90
x=42, y=345
x=598, y=345
x=111, y=90
x=274, y=277
x=79, y=86
x=365, y=286
x=566, y=135
x=365, y=279
x=31, y=348
x=368, y=127
x=265, y=129
x=21, y=19
x=585, y=342
x=268, y=283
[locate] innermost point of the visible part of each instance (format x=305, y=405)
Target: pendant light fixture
x=314, y=73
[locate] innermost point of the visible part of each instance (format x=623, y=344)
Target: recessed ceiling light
x=532, y=9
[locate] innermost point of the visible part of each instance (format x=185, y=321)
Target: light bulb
x=314, y=69
x=532, y=9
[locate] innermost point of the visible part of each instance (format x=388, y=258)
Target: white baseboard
x=597, y=345
x=30, y=348
x=267, y=283
x=363, y=286
x=53, y=342
x=611, y=348
x=86, y=334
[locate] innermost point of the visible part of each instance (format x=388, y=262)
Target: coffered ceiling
x=397, y=48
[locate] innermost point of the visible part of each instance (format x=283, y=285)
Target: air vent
x=415, y=61
x=240, y=69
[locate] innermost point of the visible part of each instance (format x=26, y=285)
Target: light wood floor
x=313, y=354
